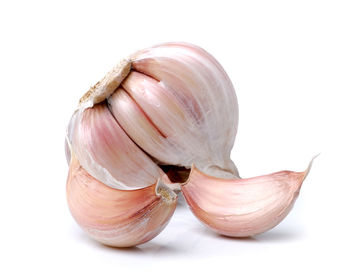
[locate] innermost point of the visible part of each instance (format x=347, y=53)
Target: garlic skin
x=119, y=218
x=242, y=207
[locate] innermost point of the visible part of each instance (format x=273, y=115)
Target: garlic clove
x=187, y=95
x=242, y=207
x=107, y=153
x=120, y=218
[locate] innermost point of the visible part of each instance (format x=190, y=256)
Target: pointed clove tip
x=307, y=171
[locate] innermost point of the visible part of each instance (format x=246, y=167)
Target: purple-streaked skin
x=120, y=218
x=242, y=207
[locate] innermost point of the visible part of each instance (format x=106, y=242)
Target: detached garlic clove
x=242, y=207
x=120, y=218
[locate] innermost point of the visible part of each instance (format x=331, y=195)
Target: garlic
x=135, y=136
x=242, y=207
x=120, y=218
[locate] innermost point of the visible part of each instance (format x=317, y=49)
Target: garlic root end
x=106, y=86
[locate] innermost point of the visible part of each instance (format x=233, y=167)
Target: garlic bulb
x=137, y=133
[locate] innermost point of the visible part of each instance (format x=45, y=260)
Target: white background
x=290, y=64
